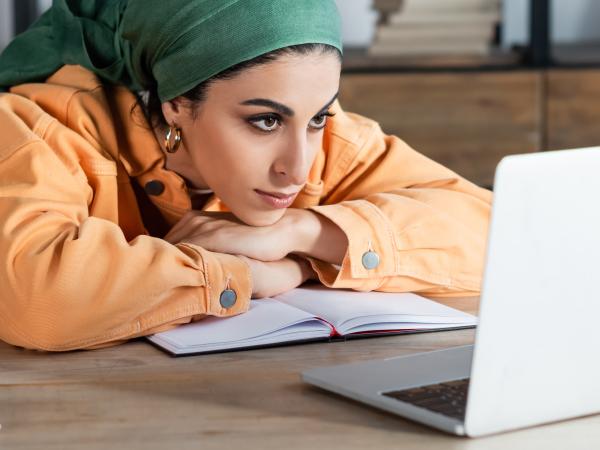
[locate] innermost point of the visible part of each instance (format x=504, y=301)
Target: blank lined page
x=346, y=309
x=265, y=322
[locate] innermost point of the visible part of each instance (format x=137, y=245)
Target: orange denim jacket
x=80, y=269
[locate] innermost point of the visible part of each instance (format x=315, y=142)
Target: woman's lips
x=276, y=200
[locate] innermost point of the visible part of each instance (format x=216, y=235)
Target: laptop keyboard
x=448, y=398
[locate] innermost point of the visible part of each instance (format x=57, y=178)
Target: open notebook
x=313, y=313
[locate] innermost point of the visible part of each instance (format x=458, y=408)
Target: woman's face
x=257, y=133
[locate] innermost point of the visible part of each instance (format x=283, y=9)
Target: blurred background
x=463, y=81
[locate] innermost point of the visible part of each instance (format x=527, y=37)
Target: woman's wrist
x=300, y=230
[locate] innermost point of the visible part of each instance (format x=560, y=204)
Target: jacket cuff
x=372, y=252
x=224, y=272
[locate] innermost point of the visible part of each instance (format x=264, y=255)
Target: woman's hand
x=299, y=231
x=276, y=277
x=222, y=232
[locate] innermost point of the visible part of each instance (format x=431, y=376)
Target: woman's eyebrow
x=329, y=103
x=281, y=108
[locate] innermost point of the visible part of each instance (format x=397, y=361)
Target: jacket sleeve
x=426, y=224
x=70, y=281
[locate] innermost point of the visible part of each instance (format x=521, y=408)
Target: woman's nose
x=293, y=162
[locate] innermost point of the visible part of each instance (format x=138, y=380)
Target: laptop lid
x=538, y=340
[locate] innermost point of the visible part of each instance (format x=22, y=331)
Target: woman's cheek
x=249, y=161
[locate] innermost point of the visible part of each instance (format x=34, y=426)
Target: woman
x=234, y=173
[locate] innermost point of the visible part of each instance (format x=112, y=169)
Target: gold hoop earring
x=172, y=139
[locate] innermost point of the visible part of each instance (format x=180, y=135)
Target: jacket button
x=154, y=187
x=370, y=260
x=228, y=298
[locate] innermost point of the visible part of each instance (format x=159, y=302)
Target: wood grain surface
x=134, y=396
x=465, y=121
x=573, y=108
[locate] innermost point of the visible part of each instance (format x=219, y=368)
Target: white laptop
x=536, y=357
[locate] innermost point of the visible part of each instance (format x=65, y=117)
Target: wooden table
x=134, y=396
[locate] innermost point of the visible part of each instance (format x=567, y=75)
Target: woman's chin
x=260, y=218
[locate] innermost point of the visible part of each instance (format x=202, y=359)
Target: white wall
x=6, y=23
x=571, y=21
x=358, y=22
x=515, y=22
x=576, y=20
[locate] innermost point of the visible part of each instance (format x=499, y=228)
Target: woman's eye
x=319, y=122
x=268, y=123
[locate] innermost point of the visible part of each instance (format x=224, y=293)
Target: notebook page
x=267, y=321
x=347, y=309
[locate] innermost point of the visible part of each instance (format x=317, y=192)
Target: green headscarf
x=172, y=45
